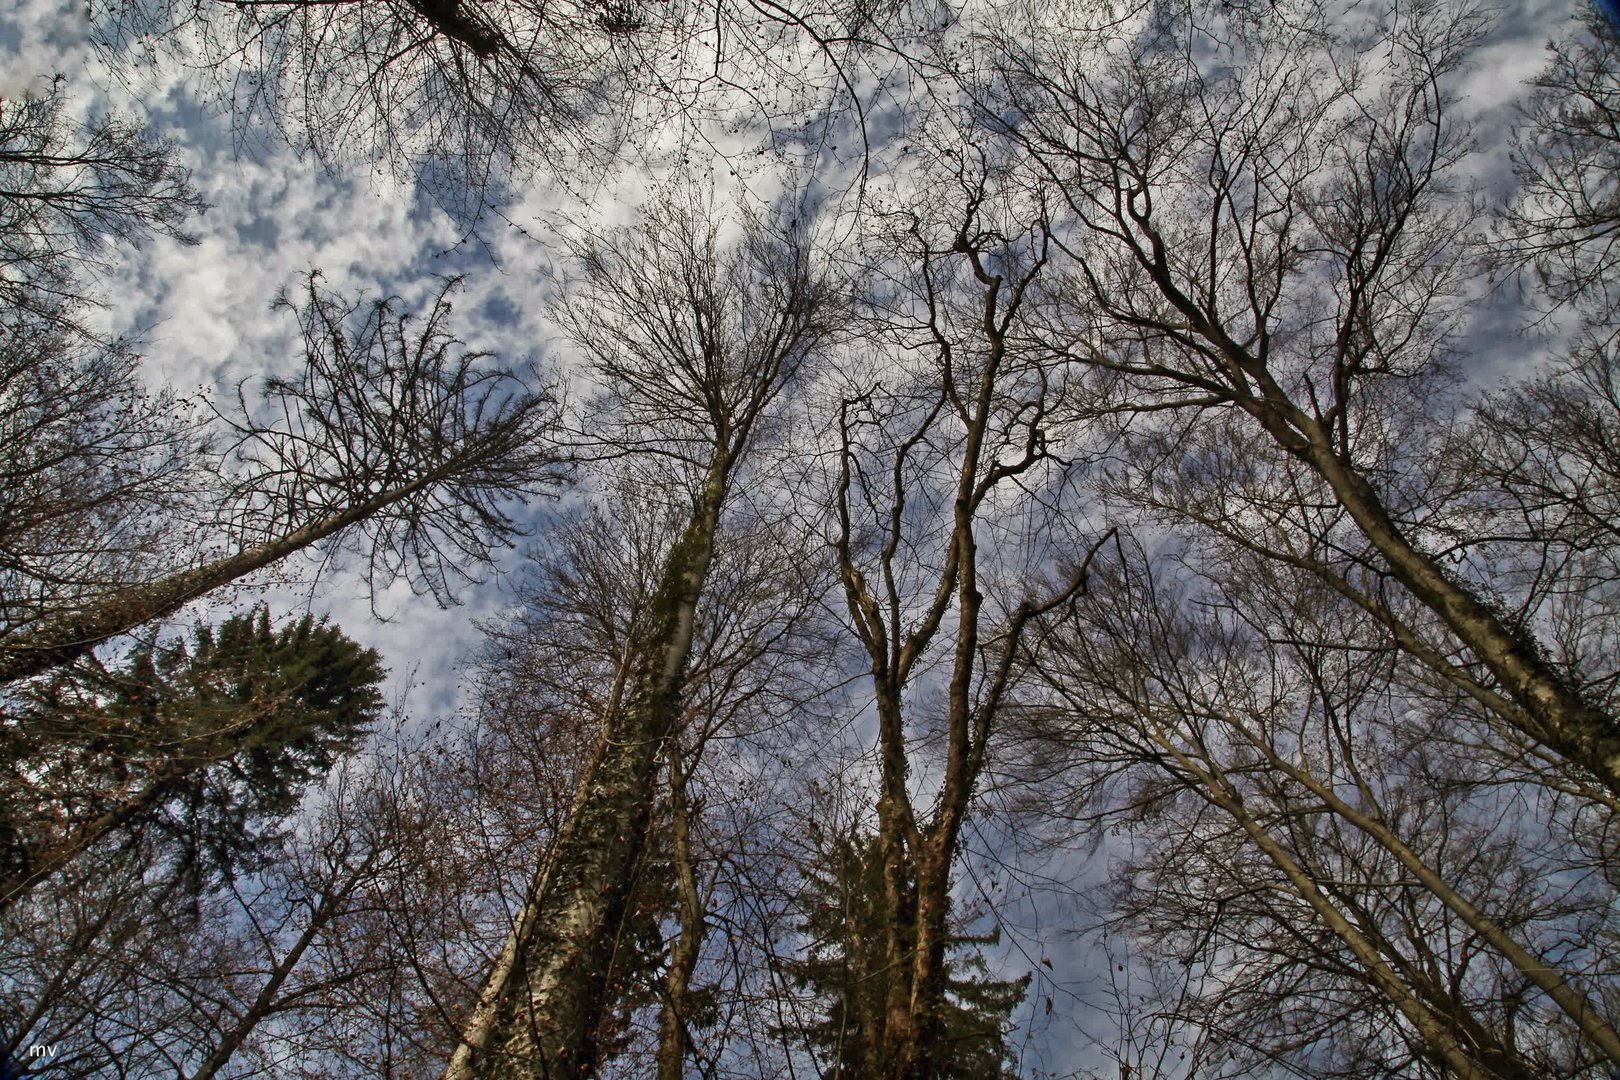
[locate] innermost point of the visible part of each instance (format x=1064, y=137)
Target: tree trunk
x=481, y=1018
x=894, y=1043
x=65, y=639
x=919, y=1056
x=1546, y=977
x=1558, y=716
x=552, y=997
x=1432, y=1028
x=1561, y=719
x=683, y=952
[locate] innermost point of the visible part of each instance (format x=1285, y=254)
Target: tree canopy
x=200, y=746
x=1013, y=539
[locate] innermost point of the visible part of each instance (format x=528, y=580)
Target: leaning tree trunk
x=1543, y=974
x=1554, y=712
x=68, y=637
x=1436, y=1030
x=541, y=1020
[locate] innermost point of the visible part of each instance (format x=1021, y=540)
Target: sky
x=203, y=317
x=203, y=313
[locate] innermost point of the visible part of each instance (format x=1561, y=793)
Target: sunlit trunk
x=553, y=994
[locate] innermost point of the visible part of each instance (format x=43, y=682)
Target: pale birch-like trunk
x=481, y=1018
x=1559, y=717
x=552, y=989
x=1539, y=972
x=660, y=328
x=1432, y=1027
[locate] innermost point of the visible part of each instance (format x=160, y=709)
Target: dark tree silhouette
x=67, y=189
x=199, y=746
x=391, y=432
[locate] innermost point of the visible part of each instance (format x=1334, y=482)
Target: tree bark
x=673, y=1044
x=552, y=994
x=65, y=639
x=1562, y=719
x=895, y=1044
x=485, y=1011
x=1558, y=717
x=1549, y=979
x=1432, y=1028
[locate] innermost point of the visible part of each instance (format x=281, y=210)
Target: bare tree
x=96, y=475
x=464, y=810
x=122, y=974
x=297, y=948
x=74, y=960
x=465, y=97
x=747, y=674
x=1282, y=237
x=389, y=432
x=423, y=83
x=751, y=671
x=692, y=347
x=570, y=650
x=1163, y=1028
x=1537, y=459
x=1564, y=220
x=477, y=807
x=928, y=455
x=1259, y=736
x=66, y=189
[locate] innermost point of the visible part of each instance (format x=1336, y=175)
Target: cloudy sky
x=204, y=312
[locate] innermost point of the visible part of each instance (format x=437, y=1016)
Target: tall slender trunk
x=917, y=1056
x=486, y=1008
x=1539, y=972
x=895, y=1041
x=1433, y=1028
x=683, y=951
x=1558, y=717
x=1420, y=975
x=62, y=640
x=918, y=856
x=553, y=996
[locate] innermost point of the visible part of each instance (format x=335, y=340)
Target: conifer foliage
x=200, y=745
x=843, y=966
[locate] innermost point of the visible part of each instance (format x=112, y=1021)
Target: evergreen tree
x=201, y=746
x=845, y=908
